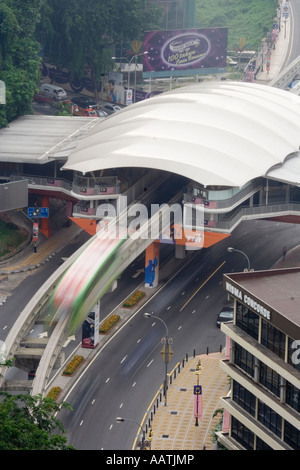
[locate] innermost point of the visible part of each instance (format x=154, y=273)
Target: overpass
x=44, y=354
x=229, y=156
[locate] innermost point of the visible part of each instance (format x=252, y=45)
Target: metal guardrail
x=255, y=212
x=228, y=203
x=30, y=314
x=127, y=253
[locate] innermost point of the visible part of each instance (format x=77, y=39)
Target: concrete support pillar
x=44, y=224
x=69, y=208
x=152, y=265
x=180, y=251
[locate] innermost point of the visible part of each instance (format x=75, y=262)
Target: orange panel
x=197, y=239
x=89, y=225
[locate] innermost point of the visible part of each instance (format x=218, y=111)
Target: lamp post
x=134, y=57
x=166, y=351
x=121, y=420
x=121, y=58
x=197, y=395
x=231, y=250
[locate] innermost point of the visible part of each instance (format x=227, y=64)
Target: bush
x=72, y=366
x=134, y=299
x=108, y=324
x=54, y=392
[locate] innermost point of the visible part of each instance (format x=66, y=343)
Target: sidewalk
x=174, y=426
x=278, y=55
x=27, y=260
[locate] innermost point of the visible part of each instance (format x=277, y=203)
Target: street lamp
x=134, y=57
x=166, y=351
x=120, y=58
x=121, y=420
x=231, y=250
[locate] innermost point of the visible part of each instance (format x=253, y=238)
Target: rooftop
x=276, y=290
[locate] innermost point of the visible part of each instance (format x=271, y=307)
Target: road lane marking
x=203, y=284
x=123, y=359
x=107, y=380
x=150, y=363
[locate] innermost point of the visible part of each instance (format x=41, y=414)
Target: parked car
x=111, y=108
x=84, y=102
x=226, y=314
x=51, y=92
x=100, y=111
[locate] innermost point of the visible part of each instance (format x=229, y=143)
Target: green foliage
x=250, y=19
x=10, y=238
x=81, y=34
x=19, y=59
x=28, y=423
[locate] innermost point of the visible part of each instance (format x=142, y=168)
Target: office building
x=262, y=410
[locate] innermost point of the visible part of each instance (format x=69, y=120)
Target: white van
x=52, y=91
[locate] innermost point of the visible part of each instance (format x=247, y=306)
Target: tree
x=28, y=423
x=82, y=34
x=19, y=56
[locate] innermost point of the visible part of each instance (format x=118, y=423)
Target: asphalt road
x=127, y=373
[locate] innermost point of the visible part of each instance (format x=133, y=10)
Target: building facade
x=262, y=411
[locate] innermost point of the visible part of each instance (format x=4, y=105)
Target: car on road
x=226, y=314
x=85, y=106
x=100, y=111
x=111, y=108
x=84, y=102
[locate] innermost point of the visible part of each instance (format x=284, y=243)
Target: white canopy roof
x=39, y=139
x=215, y=133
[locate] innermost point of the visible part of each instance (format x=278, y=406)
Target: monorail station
x=262, y=411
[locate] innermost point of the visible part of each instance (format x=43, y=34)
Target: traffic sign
x=38, y=212
x=197, y=389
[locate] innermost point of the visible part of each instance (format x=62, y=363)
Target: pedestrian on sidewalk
x=283, y=253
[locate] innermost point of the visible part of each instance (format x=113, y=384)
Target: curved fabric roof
x=215, y=133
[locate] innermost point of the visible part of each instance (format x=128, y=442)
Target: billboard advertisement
x=90, y=329
x=185, y=52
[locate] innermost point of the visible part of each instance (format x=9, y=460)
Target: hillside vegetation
x=248, y=19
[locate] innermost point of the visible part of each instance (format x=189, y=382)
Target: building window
x=293, y=396
x=247, y=320
x=294, y=353
x=273, y=339
x=291, y=436
x=242, y=434
x=244, y=398
x=244, y=359
x=269, y=418
x=261, y=445
x=269, y=379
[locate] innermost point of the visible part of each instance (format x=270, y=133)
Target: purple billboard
x=176, y=53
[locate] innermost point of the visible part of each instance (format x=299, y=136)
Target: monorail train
x=71, y=294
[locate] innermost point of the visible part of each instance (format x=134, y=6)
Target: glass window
x=273, y=339
x=247, y=320
x=244, y=398
x=241, y=434
x=269, y=418
x=294, y=353
x=269, y=379
x=261, y=445
x=293, y=396
x=244, y=359
x=291, y=436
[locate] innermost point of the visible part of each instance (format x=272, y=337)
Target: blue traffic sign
x=38, y=212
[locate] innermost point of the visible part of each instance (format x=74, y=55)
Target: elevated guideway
x=284, y=78
x=49, y=354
